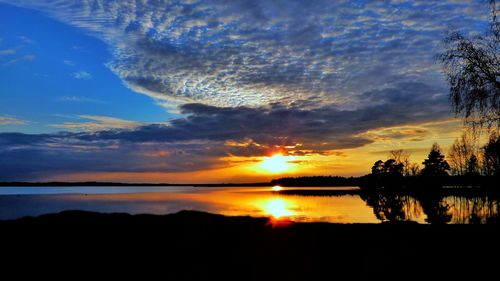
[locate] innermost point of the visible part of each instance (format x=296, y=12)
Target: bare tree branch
x=472, y=68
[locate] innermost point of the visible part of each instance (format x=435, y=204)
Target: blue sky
x=51, y=73
x=123, y=87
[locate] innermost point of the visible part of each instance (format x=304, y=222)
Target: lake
x=301, y=205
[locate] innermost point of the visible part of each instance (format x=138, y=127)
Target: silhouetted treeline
x=470, y=167
x=317, y=181
x=398, y=173
x=396, y=183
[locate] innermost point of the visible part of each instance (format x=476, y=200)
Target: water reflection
x=386, y=208
x=474, y=210
x=436, y=208
x=277, y=188
x=265, y=201
x=278, y=208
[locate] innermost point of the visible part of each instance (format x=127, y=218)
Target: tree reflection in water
x=475, y=210
x=438, y=209
x=392, y=207
x=435, y=208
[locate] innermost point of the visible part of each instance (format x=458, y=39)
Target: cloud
x=58, y=154
x=79, y=99
x=6, y=52
x=253, y=53
x=28, y=57
x=206, y=135
x=278, y=124
x=444, y=129
x=82, y=75
x=69, y=62
x=26, y=40
x=5, y=120
x=250, y=77
x=99, y=123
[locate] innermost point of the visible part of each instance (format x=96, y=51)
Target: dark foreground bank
x=199, y=246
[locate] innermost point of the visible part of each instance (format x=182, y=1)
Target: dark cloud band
x=207, y=133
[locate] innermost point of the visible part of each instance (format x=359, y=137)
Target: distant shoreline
x=92, y=183
x=299, y=189
x=368, y=181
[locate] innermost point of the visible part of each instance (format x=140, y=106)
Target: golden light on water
x=277, y=163
x=277, y=188
x=258, y=202
x=278, y=208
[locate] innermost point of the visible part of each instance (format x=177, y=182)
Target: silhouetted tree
x=435, y=165
x=472, y=166
x=462, y=152
x=402, y=157
x=389, y=168
x=491, y=155
x=378, y=168
x=414, y=169
x=472, y=67
x=392, y=168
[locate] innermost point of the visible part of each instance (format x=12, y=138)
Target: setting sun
x=277, y=163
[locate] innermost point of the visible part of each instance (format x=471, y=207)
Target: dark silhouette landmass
x=370, y=181
x=192, y=245
x=317, y=181
x=318, y=192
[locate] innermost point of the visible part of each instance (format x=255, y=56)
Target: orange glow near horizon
x=346, y=162
x=277, y=188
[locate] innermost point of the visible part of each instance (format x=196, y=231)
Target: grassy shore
x=192, y=245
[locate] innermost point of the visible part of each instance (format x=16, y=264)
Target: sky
x=206, y=91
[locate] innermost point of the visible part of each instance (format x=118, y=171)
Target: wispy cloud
x=29, y=57
x=6, y=120
x=6, y=52
x=25, y=39
x=69, y=62
x=98, y=123
x=79, y=99
x=82, y=75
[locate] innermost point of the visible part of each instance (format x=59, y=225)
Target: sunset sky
x=206, y=91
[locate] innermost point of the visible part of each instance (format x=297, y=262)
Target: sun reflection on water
x=277, y=188
x=278, y=208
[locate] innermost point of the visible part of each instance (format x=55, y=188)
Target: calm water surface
x=18, y=202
